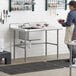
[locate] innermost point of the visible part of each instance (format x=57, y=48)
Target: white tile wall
x=28, y=16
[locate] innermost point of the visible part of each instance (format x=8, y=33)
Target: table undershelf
x=73, y=66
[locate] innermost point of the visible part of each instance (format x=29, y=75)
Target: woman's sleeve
x=70, y=18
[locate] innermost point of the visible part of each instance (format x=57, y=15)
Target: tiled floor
x=56, y=72
x=52, y=72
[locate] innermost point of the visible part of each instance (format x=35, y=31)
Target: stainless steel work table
x=15, y=28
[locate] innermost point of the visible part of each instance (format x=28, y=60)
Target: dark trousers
x=74, y=47
x=73, y=50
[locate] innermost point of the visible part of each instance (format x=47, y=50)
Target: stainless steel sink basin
x=36, y=35
x=31, y=28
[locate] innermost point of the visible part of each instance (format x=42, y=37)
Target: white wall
x=28, y=16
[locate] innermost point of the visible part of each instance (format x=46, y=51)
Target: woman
x=71, y=19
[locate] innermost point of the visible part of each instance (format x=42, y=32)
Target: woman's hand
x=61, y=21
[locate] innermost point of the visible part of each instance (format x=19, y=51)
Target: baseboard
x=40, y=58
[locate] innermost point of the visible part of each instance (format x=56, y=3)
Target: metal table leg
x=46, y=43
x=14, y=44
x=25, y=58
x=71, y=61
x=57, y=44
x=10, y=42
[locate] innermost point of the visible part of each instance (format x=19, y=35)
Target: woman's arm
x=69, y=21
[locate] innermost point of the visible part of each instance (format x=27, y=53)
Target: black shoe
x=73, y=62
x=69, y=61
